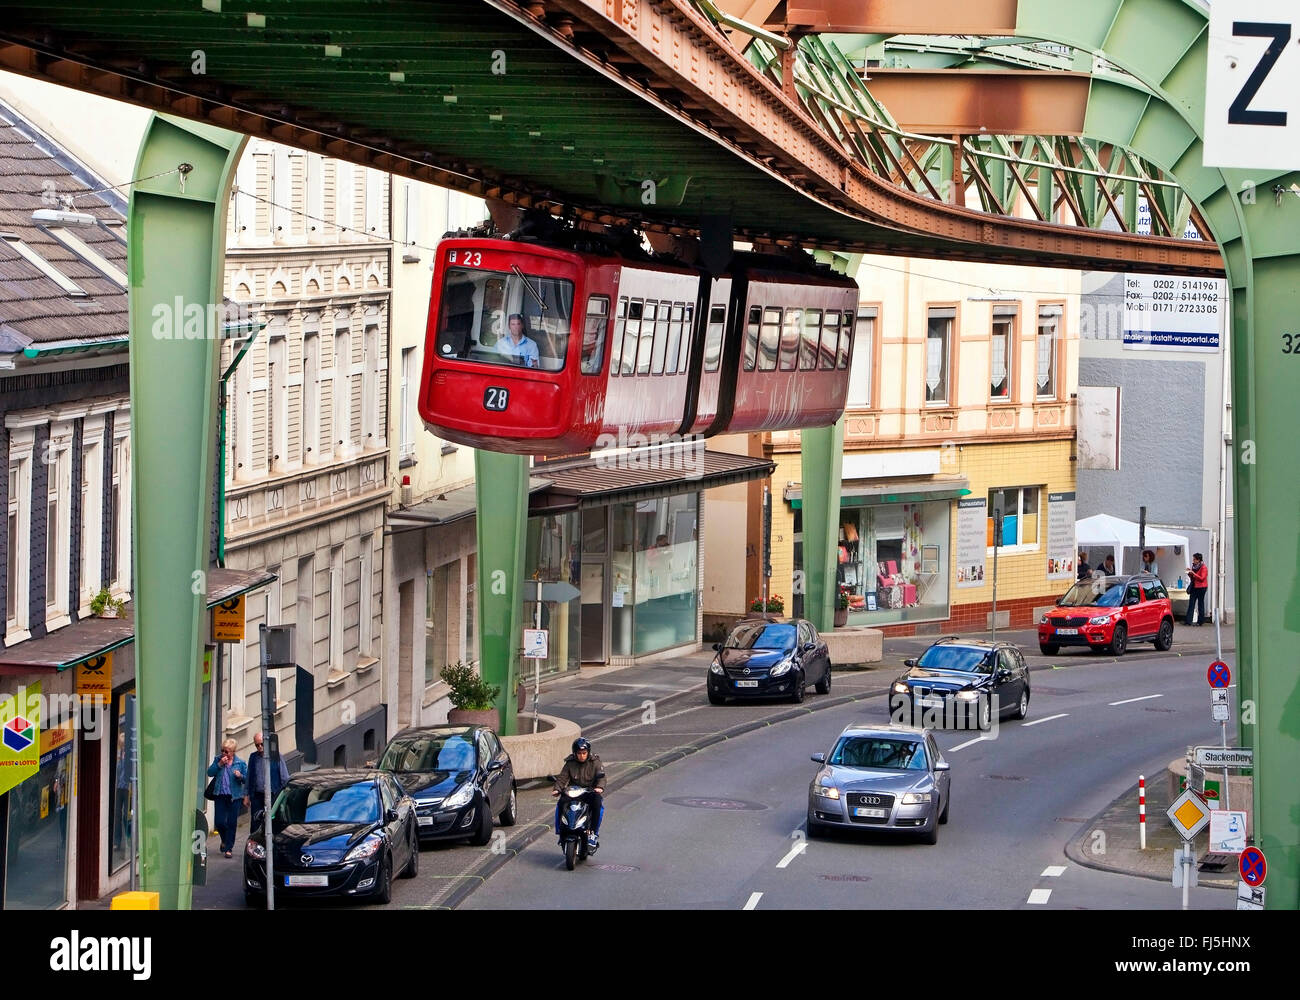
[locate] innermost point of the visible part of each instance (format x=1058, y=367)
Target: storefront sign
x=228, y=620
x=1061, y=551
x=56, y=742
x=1173, y=314
x=972, y=538
x=20, y=749
x=95, y=678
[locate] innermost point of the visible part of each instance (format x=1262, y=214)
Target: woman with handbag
x=228, y=772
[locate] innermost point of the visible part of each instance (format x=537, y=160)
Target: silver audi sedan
x=880, y=778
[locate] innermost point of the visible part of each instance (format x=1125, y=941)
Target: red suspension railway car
x=540, y=350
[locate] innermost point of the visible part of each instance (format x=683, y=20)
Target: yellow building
x=961, y=403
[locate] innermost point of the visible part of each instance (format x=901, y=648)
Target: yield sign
x=1218, y=675
x=1253, y=867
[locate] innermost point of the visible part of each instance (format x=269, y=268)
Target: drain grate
x=845, y=878
x=1008, y=777
x=1160, y=710
x=615, y=868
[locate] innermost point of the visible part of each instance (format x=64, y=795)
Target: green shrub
x=468, y=689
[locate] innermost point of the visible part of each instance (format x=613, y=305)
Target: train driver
x=518, y=347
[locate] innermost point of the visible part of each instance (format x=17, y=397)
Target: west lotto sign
x=1252, y=81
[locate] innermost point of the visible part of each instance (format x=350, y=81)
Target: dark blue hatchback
x=769, y=658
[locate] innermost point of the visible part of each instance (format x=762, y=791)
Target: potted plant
x=105, y=605
x=842, y=606
x=775, y=605
x=471, y=697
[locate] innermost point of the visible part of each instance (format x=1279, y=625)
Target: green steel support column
x=501, y=486
x=823, y=465
x=175, y=255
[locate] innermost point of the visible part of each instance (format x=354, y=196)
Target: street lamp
x=59, y=217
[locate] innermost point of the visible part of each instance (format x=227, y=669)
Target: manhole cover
x=702, y=803
x=1007, y=777
x=616, y=868
x=845, y=878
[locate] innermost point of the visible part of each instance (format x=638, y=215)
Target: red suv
x=1107, y=613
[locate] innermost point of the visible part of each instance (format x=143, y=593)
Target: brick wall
x=974, y=617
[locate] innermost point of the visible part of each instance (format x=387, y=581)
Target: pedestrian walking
x=256, y=793
x=1199, y=581
x=229, y=771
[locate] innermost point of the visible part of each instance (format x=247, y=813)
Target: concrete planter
x=540, y=754
x=841, y=617
x=473, y=717
x=854, y=646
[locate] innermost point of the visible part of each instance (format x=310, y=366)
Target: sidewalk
x=611, y=703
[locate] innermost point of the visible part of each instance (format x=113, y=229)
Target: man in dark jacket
x=256, y=785
x=582, y=767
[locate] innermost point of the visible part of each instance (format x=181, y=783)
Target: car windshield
x=1106, y=592
x=477, y=308
x=879, y=752
x=762, y=637
x=964, y=658
x=429, y=752
x=356, y=802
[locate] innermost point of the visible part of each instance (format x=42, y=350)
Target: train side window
x=593, y=334
x=616, y=345
x=688, y=334
x=812, y=327
x=661, y=339
x=647, y=338
x=632, y=335
x=674, y=340
x=713, y=338
x=790, y=339
x=830, y=339
x=751, y=337
x=770, y=342
x=846, y=339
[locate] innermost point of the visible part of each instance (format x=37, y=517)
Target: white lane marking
x=1049, y=718
x=963, y=746
x=795, y=851
x=640, y=725
x=754, y=897
x=1053, y=871
x=1039, y=896
x=1129, y=701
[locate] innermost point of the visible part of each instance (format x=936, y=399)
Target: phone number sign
x=1252, y=81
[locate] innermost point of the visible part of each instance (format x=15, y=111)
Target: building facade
x=961, y=406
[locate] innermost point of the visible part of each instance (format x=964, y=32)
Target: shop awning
x=89, y=637
x=641, y=474
x=868, y=492
x=445, y=508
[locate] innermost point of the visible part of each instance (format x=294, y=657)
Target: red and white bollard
x=1142, y=810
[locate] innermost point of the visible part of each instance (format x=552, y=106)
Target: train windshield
x=505, y=318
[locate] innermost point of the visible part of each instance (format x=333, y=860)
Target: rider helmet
x=581, y=744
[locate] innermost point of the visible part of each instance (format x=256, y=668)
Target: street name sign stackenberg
x=1224, y=756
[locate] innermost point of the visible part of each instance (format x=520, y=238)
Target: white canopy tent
x=1102, y=531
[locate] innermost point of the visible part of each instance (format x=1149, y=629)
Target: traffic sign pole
x=1219, y=676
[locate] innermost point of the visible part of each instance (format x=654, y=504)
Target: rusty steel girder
x=977, y=101
x=694, y=67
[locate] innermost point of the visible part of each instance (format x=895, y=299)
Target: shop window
x=1019, y=506
x=37, y=854
x=938, y=356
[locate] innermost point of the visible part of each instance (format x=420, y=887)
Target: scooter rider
x=582, y=767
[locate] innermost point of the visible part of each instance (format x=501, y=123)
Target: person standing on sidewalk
x=256, y=793
x=230, y=771
x=1199, y=576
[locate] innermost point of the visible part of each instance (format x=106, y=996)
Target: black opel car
x=335, y=833
x=769, y=658
x=956, y=682
x=459, y=776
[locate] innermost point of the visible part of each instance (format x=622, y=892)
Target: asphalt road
x=1094, y=724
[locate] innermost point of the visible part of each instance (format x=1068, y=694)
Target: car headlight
x=828, y=792
x=968, y=695
x=916, y=798
x=255, y=850
x=365, y=849
x=1099, y=620
x=462, y=796
x=716, y=667
x=900, y=687
x=782, y=667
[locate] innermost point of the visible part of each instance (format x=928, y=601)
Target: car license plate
x=932, y=703
x=424, y=820
x=307, y=880
x=1067, y=631
x=872, y=813
x=746, y=684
